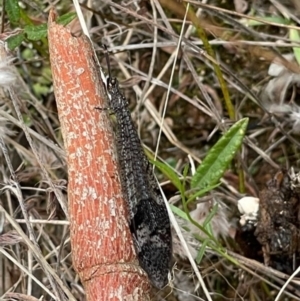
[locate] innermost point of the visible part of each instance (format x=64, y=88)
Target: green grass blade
x=217, y=160
x=264, y=21
x=295, y=37
x=202, y=251
x=66, y=18
x=179, y=212
x=201, y=192
x=169, y=173
x=212, y=213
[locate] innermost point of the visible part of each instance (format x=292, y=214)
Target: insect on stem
x=148, y=217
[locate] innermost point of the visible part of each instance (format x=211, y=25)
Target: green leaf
x=217, y=160
x=201, y=193
x=212, y=213
x=179, y=212
x=66, y=18
x=25, y=18
x=202, y=250
x=295, y=37
x=15, y=41
x=169, y=173
x=264, y=21
x=33, y=32
x=209, y=230
x=13, y=10
x=36, y=32
x=40, y=89
x=185, y=171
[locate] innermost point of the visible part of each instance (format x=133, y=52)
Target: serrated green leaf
x=66, y=18
x=15, y=41
x=169, y=173
x=217, y=160
x=12, y=9
x=295, y=37
x=36, y=32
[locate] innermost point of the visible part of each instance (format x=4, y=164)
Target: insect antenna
x=107, y=61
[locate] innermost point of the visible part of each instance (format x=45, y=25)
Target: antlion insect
x=148, y=217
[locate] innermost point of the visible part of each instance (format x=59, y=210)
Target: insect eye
x=111, y=82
